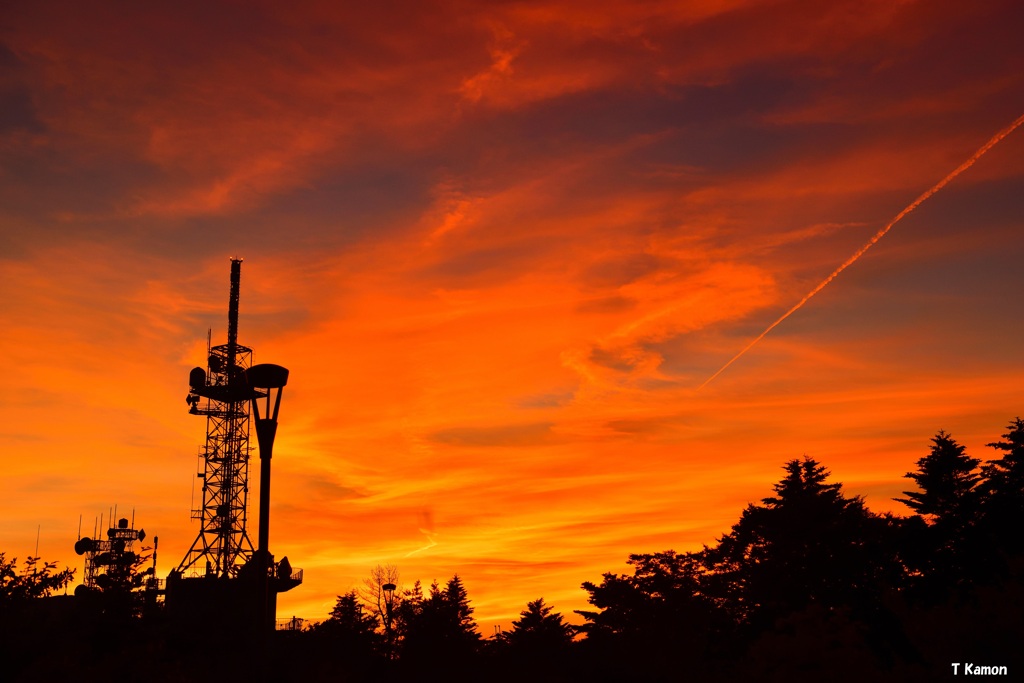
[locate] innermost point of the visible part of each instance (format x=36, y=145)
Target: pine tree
x=808, y=544
x=349, y=627
x=948, y=501
x=439, y=627
x=539, y=631
x=947, y=479
x=348, y=614
x=455, y=603
x=1003, y=489
x=409, y=611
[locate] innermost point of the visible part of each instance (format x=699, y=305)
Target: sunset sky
x=500, y=246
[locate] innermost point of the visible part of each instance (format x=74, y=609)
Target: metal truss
x=223, y=544
x=222, y=395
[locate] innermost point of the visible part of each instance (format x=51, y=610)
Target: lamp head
x=267, y=376
x=267, y=381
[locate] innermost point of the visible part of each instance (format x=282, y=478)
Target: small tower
x=111, y=563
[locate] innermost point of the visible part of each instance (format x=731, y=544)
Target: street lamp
x=267, y=382
x=389, y=604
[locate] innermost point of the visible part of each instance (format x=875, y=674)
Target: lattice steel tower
x=222, y=395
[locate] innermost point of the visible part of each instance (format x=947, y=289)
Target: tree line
x=808, y=583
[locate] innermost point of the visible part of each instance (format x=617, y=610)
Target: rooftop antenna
x=39, y=528
x=110, y=557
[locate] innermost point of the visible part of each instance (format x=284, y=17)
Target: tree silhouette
x=539, y=632
x=948, y=500
x=454, y=602
x=437, y=630
x=30, y=627
x=663, y=588
x=652, y=619
x=1003, y=489
x=807, y=544
x=33, y=581
x=946, y=478
x=348, y=615
x=382, y=603
x=349, y=628
x=538, y=647
x=409, y=607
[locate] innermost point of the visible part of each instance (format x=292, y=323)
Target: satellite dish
x=142, y=534
x=83, y=545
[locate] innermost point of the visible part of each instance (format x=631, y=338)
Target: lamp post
x=389, y=603
x=267, y=382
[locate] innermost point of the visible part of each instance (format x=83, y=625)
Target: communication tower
x=221, y=394
x=111, y=563
x=223, y=582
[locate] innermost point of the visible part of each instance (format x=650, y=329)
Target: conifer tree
x=454, y=602
x=539, y=631
x=808, y=544
x=349, y=627
x=948, y=500
x=348, y=614
x=1003, y=489
x=947, y=478
x=440, y=626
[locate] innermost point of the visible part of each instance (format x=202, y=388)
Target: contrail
x=878, y=235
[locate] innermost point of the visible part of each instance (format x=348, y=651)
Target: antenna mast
x=221, y=395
